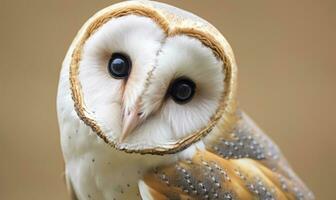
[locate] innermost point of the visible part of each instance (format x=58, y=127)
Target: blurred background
x=286, y=56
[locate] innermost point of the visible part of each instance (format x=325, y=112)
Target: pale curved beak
x=131, y=119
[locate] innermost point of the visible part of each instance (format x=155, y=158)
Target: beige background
x=286, y=55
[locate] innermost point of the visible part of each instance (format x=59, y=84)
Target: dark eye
x=119, y=66
x=182, y=90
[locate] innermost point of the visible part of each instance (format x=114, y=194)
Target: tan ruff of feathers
x=171, y=27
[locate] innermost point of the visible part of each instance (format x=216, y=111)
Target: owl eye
x=119, y=66
x=182, y=90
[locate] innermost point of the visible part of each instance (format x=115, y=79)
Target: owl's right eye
x=119, y=66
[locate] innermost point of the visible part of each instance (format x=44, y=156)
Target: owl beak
x=131, y=120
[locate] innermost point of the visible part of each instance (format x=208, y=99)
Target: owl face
x=144, y=85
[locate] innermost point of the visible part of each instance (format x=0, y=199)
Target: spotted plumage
x=147, y=110
x=242, y=174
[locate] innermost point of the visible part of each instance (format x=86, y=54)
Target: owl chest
x=99, y=177
x=97, y=171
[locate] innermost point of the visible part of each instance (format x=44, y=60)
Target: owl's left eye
x=182, y=90
x=119, y=66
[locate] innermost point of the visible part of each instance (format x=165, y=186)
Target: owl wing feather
x=244, y=164
x=208, y=176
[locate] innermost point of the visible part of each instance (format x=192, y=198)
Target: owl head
x=151, y=78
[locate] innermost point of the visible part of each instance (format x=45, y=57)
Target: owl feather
x=147, y=109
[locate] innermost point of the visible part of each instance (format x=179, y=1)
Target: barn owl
x=147, y=109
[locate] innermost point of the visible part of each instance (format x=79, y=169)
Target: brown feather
x=241, y=163
x=208, y=176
